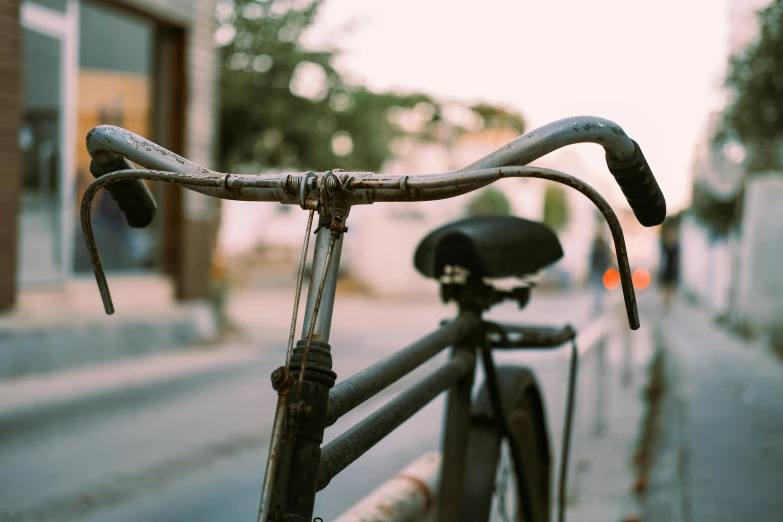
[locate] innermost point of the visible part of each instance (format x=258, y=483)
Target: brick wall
x=201, y=212
x=10, y=162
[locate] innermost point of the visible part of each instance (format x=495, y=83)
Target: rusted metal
x=303, y=186
x=353, y=391
x=273, y=458
x=304, y=436
x=405, y=497
x=352, y=444
x=282, y=379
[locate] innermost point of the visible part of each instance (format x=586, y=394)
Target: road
x=194, y=450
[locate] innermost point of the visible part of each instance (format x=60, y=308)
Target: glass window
x=40, y=253
x=57, y=5
x=115, y=88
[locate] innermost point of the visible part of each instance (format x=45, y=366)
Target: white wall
x=760, y=272
x=706, y=265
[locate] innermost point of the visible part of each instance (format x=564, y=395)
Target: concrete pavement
x=720, y=453
x=191, y=445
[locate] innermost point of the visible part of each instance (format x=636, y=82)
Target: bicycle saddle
x=488, y=246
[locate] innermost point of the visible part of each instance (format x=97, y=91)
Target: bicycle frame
x=301, y=466
x=308, y=400
x=304, y=468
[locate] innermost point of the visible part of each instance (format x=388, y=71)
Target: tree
x=756, y=76
x=719, y=215
x=556, y=212
x=494, y=117
x=286, y=106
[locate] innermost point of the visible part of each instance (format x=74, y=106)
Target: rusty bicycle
x=502, y=432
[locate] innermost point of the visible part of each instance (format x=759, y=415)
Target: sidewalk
x=608, y=424
x=183, y=403
x=720, y=450
x=60, y=328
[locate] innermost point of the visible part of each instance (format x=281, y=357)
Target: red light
x=611, y=279
x=641, y=278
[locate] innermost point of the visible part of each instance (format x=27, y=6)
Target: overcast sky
x=653, y=67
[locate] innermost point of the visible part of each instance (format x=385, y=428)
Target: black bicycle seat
x=489, y=246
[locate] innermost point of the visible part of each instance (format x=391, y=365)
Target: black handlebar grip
x=640, y=188
x=132, y=196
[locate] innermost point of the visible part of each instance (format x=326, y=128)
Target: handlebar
x=334, y=192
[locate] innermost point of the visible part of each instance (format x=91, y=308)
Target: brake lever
x=194, y=180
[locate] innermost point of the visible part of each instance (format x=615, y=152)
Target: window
x=115, y=84
x=57, y=5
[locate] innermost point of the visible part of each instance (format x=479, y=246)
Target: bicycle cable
x=316, y=308
x=297, y=296
x=568, y=424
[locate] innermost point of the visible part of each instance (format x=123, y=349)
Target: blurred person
x=600, y=262
x=669, y=269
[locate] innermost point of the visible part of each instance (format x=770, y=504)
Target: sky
x=654, y=68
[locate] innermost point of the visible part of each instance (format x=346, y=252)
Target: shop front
x=147, y=66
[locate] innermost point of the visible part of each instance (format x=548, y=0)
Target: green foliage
x=718, y=215
x=284, y=106
x=489, y=201
x=756, y=76
x=556, y=211
x=494, y=117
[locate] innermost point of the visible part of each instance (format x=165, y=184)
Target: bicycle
x=507, y=414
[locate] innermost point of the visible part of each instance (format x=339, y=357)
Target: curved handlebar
x=367, y=188
x=111, y=147
x=623, y=155
x=556, y=135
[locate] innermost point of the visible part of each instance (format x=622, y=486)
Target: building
x=735, y=274
x=68, y=65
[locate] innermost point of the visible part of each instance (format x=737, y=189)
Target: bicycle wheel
x=490, y=485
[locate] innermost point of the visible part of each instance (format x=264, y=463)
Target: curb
x=34, y=345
